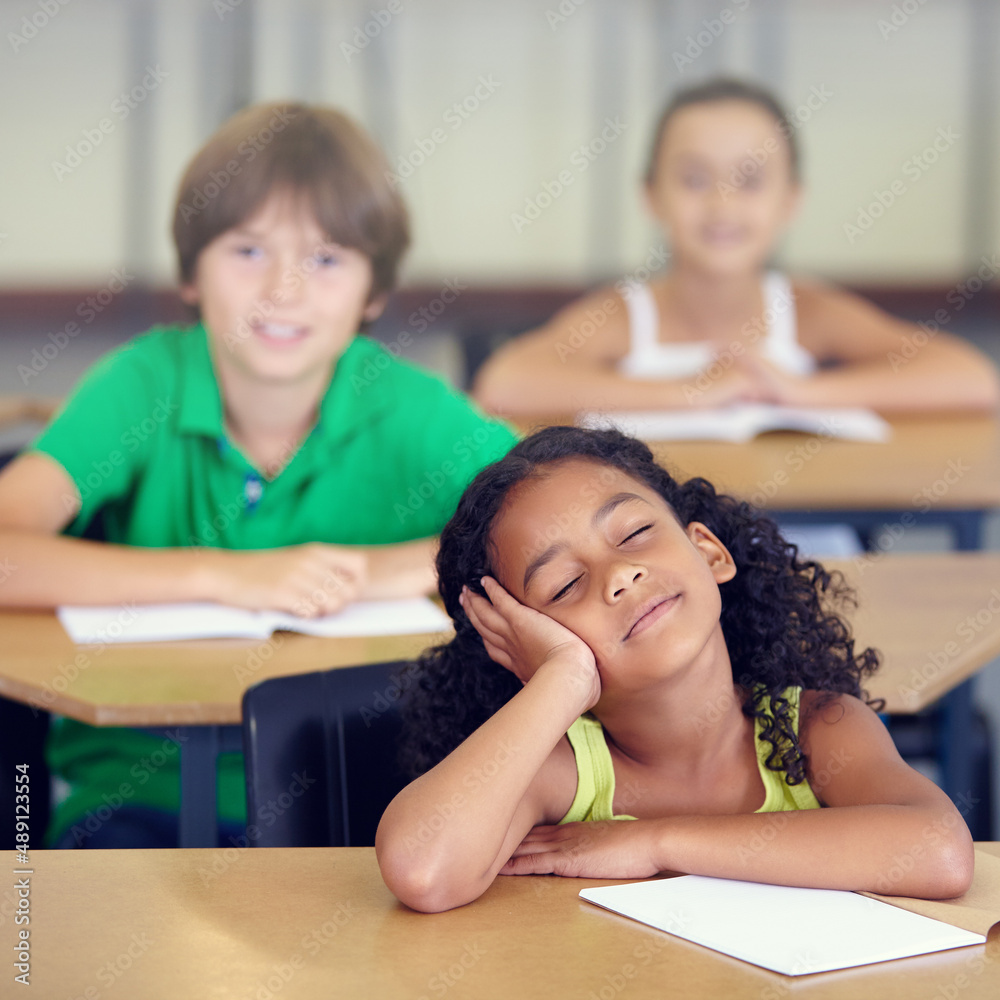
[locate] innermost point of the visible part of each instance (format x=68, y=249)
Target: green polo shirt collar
x=344, y=409
x=201, y=404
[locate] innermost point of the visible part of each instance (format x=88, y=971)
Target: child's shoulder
x=150, y=362
x=595, y=326
x=825, y=314
x=833, y=715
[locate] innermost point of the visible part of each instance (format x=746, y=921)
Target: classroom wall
x=536, y=84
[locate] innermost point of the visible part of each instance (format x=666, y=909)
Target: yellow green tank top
x=595, y=789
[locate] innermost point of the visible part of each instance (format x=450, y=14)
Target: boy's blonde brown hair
x=314, y=153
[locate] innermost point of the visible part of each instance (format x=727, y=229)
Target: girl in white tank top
x=650, y=357
x=722, y=182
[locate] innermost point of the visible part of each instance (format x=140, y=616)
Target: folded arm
x=43, y=568
x=884, y=363
x=443, y=839
x=885, y=827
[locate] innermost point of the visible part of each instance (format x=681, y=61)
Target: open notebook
x=742, y=422
x=799, y=931
x=163, y=622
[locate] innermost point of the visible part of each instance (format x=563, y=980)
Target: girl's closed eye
x=562, y=593
x=636, y=533
x=631, y=536
x=248, y=250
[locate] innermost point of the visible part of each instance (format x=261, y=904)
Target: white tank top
x=649, y=357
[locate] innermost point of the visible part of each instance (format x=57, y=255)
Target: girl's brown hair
x=724, y=89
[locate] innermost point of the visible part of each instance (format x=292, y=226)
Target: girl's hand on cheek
x=522, y=640
x=612, y=849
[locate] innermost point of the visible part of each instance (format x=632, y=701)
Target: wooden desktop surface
x=915, y=608
x=319, y=923
x=166, y=683
x=955, y=458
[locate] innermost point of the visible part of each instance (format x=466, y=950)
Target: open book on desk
x=164, y=622
x=809, y=930
x=742, y=422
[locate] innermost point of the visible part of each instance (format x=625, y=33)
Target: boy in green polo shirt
x=265, y=457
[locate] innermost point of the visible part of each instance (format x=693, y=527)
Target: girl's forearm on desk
x=891, y=849
x=442, y=840
x=945, y=375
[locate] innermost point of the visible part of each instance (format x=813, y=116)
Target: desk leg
x=968, y=525
x=956, y=747
x=198, y=822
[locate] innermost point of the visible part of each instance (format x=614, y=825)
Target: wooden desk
x=910, y=607
x=934, y=616
x=320, y=923
x=196, y=686
x=822, y=472
x=934, y=469
x=195, y=682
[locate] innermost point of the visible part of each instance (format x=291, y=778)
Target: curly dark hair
x=777, y=612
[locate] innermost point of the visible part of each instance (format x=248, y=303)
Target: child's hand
x=774, y=384
x=738, y=384
x=613, y=849
x=522, y=639
x=304, y=580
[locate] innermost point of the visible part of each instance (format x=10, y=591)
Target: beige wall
x=877, y=102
